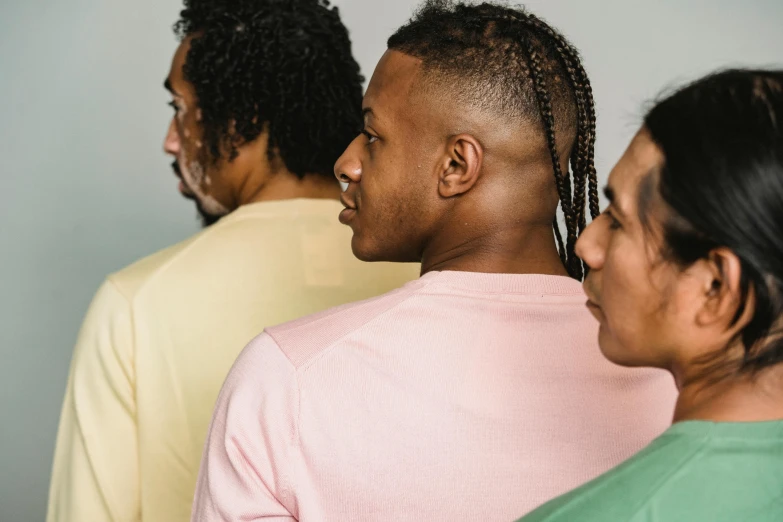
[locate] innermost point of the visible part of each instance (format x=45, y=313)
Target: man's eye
x=370, y=137
x=173, y=105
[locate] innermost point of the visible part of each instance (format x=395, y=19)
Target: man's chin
x=372, y=253
x=187, y=195
x=207, y=219
x=361, y=252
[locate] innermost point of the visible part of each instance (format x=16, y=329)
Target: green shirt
x=695, y=472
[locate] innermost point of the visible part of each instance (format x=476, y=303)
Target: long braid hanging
x=563, y=181
x=592, y=176
x=561, y=250
x=587, y=124
x=581, y=84
x=581, y=160
x=582, y=157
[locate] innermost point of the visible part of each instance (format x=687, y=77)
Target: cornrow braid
x=583, y=163
x=561, y=251
x=582, y=160
x=563, y=181
x=531, y=70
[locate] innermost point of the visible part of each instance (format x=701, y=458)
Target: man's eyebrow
x=168, y=87
x=367, y=111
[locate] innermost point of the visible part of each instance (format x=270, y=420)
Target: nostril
x=344, y=178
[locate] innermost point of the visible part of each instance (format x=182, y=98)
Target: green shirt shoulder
x=696, y=471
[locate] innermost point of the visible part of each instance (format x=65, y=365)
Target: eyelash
x=370, y=138
x=173, y=105
x=613, y=223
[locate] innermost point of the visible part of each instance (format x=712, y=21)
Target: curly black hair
x=281, y=66
x=511, y=62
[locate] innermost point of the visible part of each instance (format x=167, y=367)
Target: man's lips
x=349, y=211
x=183, y=189
x=347, y=203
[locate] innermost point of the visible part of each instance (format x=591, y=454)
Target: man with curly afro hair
x=266, y=96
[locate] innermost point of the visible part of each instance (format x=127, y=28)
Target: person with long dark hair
x=686, y=274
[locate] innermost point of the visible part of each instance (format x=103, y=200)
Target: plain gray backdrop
x=86, y=188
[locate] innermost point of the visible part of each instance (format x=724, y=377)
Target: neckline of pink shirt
x=505, y=283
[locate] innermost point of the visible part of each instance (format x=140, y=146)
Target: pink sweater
x=461, y=396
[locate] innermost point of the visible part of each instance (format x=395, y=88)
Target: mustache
x=176, y=169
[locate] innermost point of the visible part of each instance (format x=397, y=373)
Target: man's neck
x=511, y=250
x=285, y=185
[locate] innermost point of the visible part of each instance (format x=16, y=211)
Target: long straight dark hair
x=722, y=138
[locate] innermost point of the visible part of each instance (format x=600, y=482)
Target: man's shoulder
x=189, y=254
x=281, y=351
x=132, y=278
x=303, y=339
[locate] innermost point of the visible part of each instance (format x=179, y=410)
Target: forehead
x=176, y=76
x=392, y=83
x=641, y=158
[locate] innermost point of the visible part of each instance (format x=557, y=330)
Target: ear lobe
x=462, y=166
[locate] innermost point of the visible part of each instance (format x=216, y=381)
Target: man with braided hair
x=266, y=95
x=477, y=391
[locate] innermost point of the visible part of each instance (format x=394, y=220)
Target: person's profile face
x=635, y=294
x=184, y=142
x=388, y=168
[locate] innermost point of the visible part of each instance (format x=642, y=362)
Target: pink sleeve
x=246, y=467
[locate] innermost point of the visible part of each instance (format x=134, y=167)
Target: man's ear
x=461, y=165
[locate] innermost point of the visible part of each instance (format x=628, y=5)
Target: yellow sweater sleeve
x=95, y=476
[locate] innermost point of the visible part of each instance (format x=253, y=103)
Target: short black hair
x=284, y=66
x=722, y=184
x=507, y=60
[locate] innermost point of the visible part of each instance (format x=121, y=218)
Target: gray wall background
x=86, y=188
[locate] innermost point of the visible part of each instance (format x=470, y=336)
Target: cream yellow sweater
x=160, y=337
